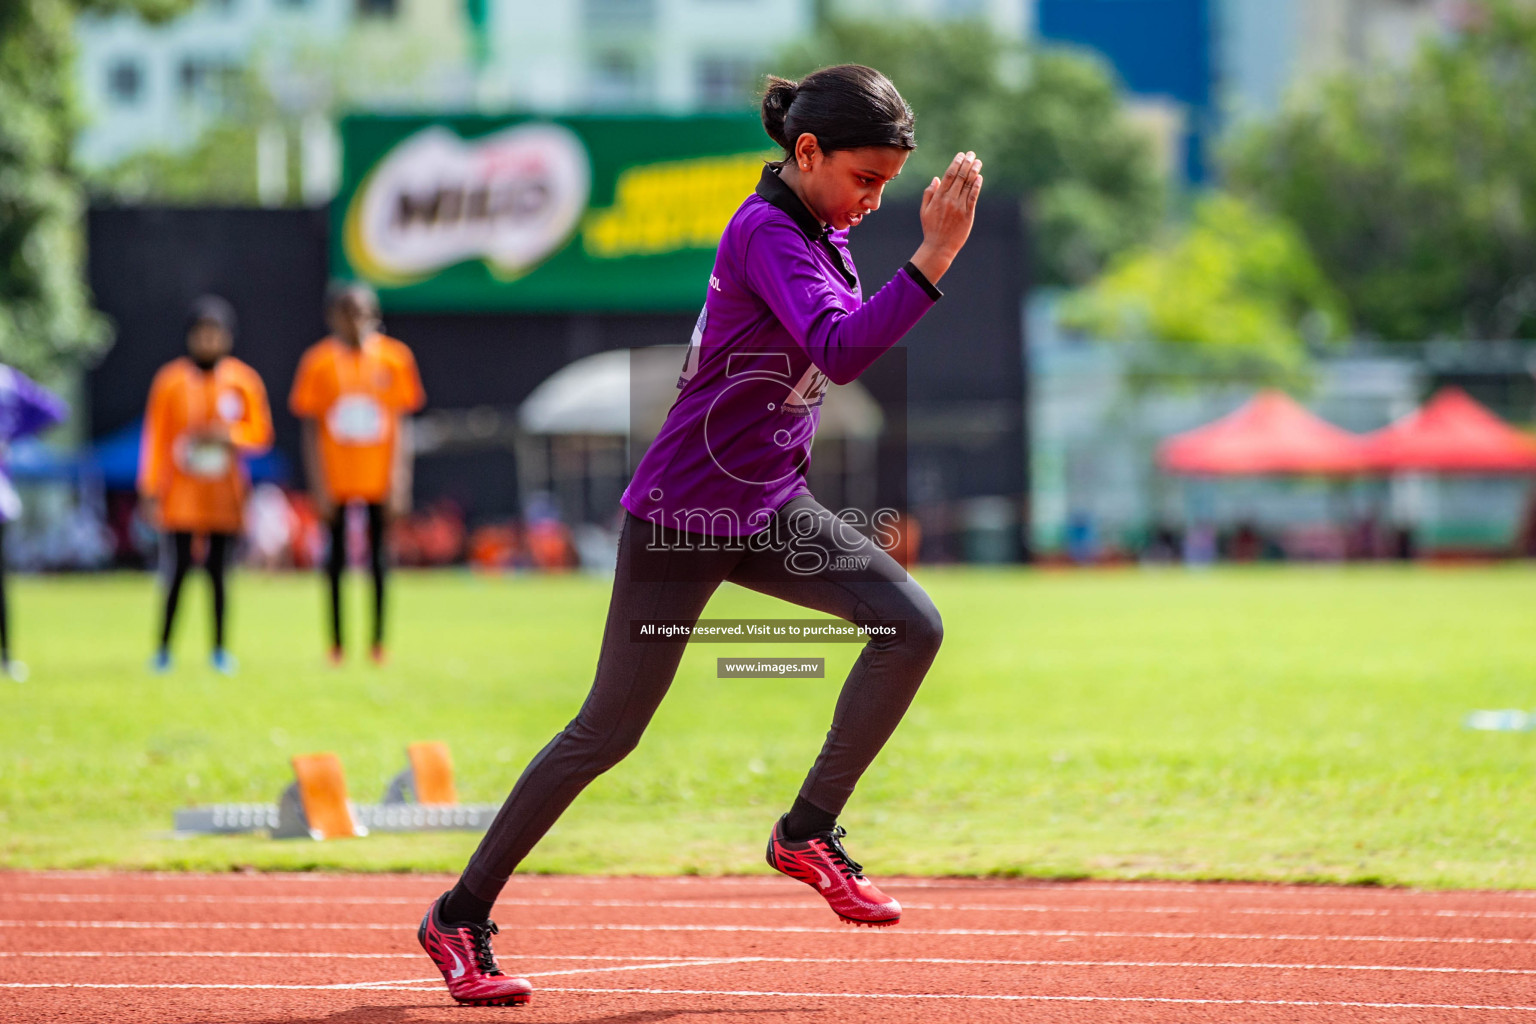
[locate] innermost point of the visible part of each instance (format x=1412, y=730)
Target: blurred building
x=1008, y=17
x=666, y=55
x=1267, y=47
x=1190, y=66
x=156, y=86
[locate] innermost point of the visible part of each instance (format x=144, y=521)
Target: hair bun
x=845, y=106
x=777, y=99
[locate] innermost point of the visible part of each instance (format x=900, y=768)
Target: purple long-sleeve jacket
x=784, y=314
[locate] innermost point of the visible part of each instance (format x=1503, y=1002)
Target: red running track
x=341, y=949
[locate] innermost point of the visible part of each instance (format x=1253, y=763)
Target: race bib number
x=356, y=419
x=208, y=460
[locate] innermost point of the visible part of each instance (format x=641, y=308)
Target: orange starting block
x=427, y=779
x=421, y=798
x=315, y=804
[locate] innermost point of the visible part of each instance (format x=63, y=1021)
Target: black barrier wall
x=965, y=372
x=966, y=422
x=147, y=264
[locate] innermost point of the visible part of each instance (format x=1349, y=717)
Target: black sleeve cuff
x=923, y=282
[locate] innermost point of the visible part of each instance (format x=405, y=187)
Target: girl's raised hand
x=948, y=211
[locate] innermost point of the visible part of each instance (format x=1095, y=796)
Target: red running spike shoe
x=823, y=864
x=463, y=953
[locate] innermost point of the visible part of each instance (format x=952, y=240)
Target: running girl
x=721, y=495
x=351, y=390
x=206, y=410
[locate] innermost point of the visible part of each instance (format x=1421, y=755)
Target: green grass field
x=1288, y=724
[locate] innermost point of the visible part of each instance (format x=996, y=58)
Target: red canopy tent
x=1272, y=433
x=1451, y=433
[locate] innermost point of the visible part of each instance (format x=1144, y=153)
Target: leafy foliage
x=1414, y=186
x=1236, y=291
x=46, y=318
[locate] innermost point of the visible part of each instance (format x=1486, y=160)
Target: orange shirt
x=201, y=484
x=356, y=397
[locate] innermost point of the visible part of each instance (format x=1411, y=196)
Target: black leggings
x=673, y=580
x=181, y=560
x=336, y=565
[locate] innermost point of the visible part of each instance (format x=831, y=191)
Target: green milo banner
x=477, y=214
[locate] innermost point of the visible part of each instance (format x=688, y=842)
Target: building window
x=619, y=15
x=378, y=8
x=209, y=80
x=617, y=79
x=125, y=81
x=724, y=82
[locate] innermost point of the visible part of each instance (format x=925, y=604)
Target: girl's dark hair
x=845, y=107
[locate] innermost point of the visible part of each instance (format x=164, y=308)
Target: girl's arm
x=782, y=269
x=947, y=213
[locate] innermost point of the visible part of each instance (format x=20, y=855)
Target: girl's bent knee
x=925, y=632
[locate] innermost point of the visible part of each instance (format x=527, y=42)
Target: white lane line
x=1182, y=964
x=676, y=962
x=698, y=961
x=345, y=987
x=220, y=956
x=1360, y=912
x=1052, y=933
x=1045, y=933
x=806, y=905
x=522, y=957
x=890, y=996
x=1040, y=998
x=433, y=886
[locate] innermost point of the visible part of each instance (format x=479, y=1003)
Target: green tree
x=1048, y=122
x=1234, y=294
x=219, y=168
x=46, y=318
x=1416, y=186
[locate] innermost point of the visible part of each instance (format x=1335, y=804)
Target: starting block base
x=315, y=806
x=233, y=819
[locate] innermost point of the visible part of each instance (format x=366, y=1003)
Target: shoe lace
x=845, y=864
x=480, y=941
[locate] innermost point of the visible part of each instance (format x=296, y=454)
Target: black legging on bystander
x=336, y=565
x=181, y=560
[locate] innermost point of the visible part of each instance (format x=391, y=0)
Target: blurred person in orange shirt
x=206, y=410
x=352, y=390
